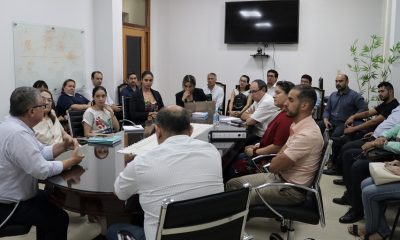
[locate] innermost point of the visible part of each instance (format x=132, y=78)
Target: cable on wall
x=273, y=55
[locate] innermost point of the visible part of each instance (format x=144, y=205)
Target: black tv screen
x=274, y=21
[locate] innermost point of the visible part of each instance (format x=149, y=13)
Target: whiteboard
x=48, y=53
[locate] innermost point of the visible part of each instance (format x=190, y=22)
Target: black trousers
x=357, y=173
x=51, y=221
x=339, y=152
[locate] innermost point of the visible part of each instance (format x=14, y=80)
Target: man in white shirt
x=272, y=78
x=307, y=80
x=24, y=160
x=216, y=92
x=180, y=167
x=97, y=80
x=261, y=112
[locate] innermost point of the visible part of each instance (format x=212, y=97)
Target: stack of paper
x=150, y=143
x=135, y=128
x=105, y=140
x=234, y=121
x=200, y=115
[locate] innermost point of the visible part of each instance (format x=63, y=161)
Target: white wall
x=187, y=37
x=108, y=43
x=72, y=14
x=100, y=19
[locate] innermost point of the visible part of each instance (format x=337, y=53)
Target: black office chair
x=220, y=216
x=9, y=230
x=125, y=107
x=222, y=109
x=75, y=118
x=311, y=211
x=120, y=88
x=318, y=112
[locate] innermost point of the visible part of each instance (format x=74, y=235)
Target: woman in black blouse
x=145, y=103
x=189, y=93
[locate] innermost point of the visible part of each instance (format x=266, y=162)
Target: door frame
x=130, y=30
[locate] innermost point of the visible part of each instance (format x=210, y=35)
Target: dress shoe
x=351, y=217
x=344, y=200
x=333, y=171
x=338, y=182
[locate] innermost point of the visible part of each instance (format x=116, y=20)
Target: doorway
x=136, y=50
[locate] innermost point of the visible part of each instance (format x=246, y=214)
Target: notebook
x=105, y=140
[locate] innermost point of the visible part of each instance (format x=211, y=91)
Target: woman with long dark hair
x=146, y=102
x=189, y=93
x=99, y=119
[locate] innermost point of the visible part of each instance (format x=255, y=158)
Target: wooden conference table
x=88, y=188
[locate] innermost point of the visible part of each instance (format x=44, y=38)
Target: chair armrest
x=284, y=184
x=125, y=235
x=255, y=160
x=266, y=167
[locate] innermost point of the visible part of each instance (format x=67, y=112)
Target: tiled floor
x=81, y=229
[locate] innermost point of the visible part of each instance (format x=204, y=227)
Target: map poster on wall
x=48, y=53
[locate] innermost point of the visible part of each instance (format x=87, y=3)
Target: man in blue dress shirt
x=341, y=105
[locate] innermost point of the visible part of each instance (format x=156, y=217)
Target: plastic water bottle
x=216, y=118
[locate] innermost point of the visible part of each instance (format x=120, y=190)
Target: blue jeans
x=136, y=231
x=374, y=207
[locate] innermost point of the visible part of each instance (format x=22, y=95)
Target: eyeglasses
x=254, y=91
x=270, y=75
x=40, y=106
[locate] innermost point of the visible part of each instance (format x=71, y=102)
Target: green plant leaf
x=366, y=49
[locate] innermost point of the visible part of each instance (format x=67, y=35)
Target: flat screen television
x=273, y=21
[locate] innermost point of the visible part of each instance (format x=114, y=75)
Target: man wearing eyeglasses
x=261, y=112
x=24, y=160
x=272, y=78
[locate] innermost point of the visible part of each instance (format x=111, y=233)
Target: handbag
x=381, y=175
x=380, y=155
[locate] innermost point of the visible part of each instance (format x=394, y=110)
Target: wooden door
x=136, y=50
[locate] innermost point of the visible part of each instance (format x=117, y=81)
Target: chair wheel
x=275, y=236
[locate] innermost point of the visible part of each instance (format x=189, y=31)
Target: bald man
x=341, y=105
x=167, y=175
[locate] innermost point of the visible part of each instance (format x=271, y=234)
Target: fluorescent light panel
x=250, y=13
x=263, y=25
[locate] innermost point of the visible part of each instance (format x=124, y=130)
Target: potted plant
x=371, y=66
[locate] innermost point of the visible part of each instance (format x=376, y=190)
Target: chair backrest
x=120, y=88
x=320, y=109
x=222, y=109
x=125, y=106
x=325, y=153
x=75, y=118
x=219, y=216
